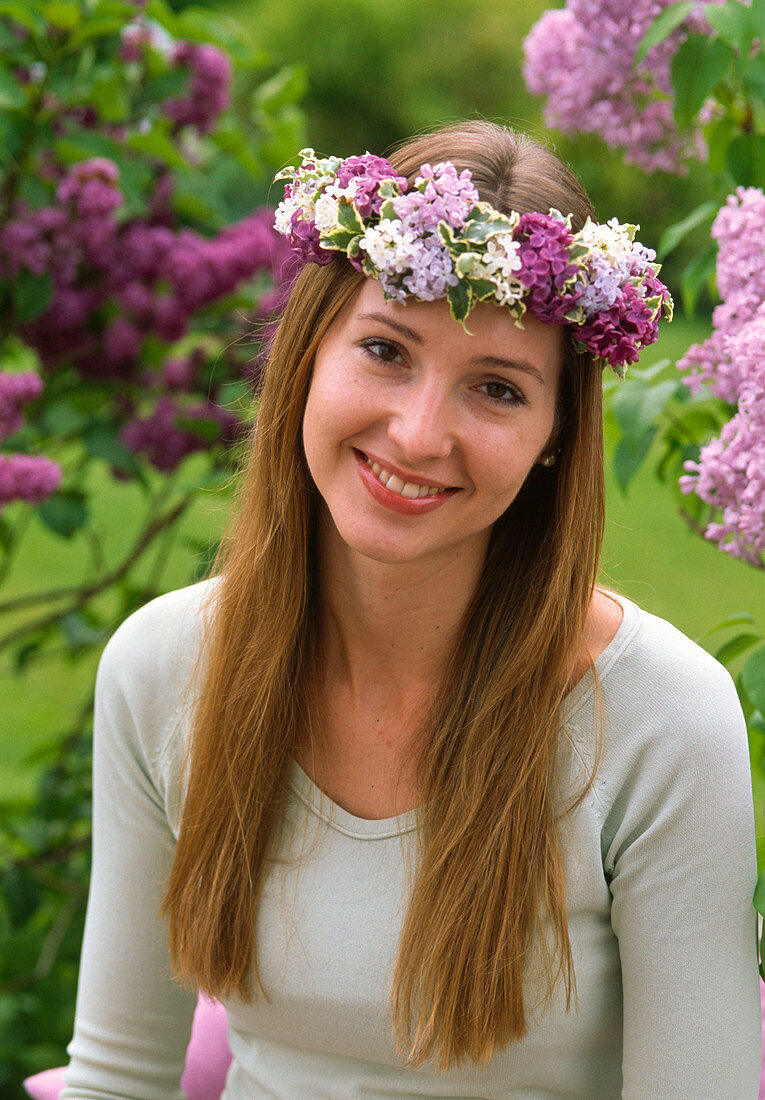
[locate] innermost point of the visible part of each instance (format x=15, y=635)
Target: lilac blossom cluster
x=117, y=283
x=209, y=90
x=730, y=472
x=439, y=240
x=582, y=58
x=160, y=439
x=22, y=477
x=408, y=252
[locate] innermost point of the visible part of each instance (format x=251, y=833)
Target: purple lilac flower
x=368, y=171
x=582, y=58
x=545, y=266
x=445, y=197
x=739, y=229
x=209, y=91
x=91, y=187
x=730, y=472
x=16, y=390
x=165, y=444
x=616, y=334
x=27, y=477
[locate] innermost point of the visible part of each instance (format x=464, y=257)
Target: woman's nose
x=424, y=424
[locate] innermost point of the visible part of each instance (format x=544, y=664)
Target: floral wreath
x=439, y=240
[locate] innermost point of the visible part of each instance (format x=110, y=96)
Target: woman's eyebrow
x=484, y=360
x=512, y=364
x=404, y=330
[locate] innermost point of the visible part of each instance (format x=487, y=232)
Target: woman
x=432, y=813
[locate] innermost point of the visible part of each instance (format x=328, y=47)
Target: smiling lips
x=405, y=497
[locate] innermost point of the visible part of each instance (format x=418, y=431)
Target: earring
x=549, y=460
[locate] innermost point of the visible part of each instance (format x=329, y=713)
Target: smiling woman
x=430, y=812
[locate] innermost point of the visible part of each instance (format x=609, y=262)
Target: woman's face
x=452, y=421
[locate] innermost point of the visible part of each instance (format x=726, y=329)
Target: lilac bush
x=139, y=277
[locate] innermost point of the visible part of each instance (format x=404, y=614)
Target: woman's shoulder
x=669, y=713
x=151, y=655
x=649, y=660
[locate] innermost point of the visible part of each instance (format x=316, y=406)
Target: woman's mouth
x=412, y=490
x=408, y=498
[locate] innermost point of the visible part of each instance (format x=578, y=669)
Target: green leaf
x=13, y=95
x=64, y=15
x=754, y=77
x=61, y=417
x=698, y=272
x=102, y=441
x=110, y=97
x=207, y=429
x=629, y=456
x=717, y=136
x=97, y=27
x=288, y=86
x=25, y=14
x=674, y=234
x=636, y=406
x=736, y=646
x=733, y=23
x=459, y=301
x=662, y=28
x=698, y=67
x=64, y=513
x=746, y=159
x=753, y=679
x=743, y=618
x=348, y=218
x=31, y=295
x=80, y=630
x=759, y=903
x=757, y=15
x=158, y=144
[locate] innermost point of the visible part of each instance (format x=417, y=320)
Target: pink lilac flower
x=441, y=195
x=27, y=477
x=730, y=472
x=16, y=390
x=739, y=229
x=163, y=443
x=368, y=171
x=582, y=58
x=209, y=91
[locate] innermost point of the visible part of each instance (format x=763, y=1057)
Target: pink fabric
x=207, y=1060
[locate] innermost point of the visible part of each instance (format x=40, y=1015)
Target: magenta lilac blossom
x=439, y=240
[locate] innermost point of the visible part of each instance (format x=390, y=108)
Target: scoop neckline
x=365, y=828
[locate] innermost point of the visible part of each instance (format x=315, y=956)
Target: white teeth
x=409, y=489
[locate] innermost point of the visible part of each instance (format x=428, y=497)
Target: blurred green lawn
x=650, y=555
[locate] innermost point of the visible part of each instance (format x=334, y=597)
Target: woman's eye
x=381, y=350
x=503, y=393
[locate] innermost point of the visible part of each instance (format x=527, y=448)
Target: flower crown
x=439, y=240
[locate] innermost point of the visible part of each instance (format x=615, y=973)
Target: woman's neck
x=392, y=626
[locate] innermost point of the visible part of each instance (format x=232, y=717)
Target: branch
x=85, y=594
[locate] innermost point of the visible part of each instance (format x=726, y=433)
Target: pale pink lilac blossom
x=581, y=57
x=730, y=472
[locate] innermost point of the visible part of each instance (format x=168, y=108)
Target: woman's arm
x=133, y=1019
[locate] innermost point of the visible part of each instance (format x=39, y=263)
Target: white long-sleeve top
x=660, y=872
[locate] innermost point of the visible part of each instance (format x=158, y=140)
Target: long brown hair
x=489, y=883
